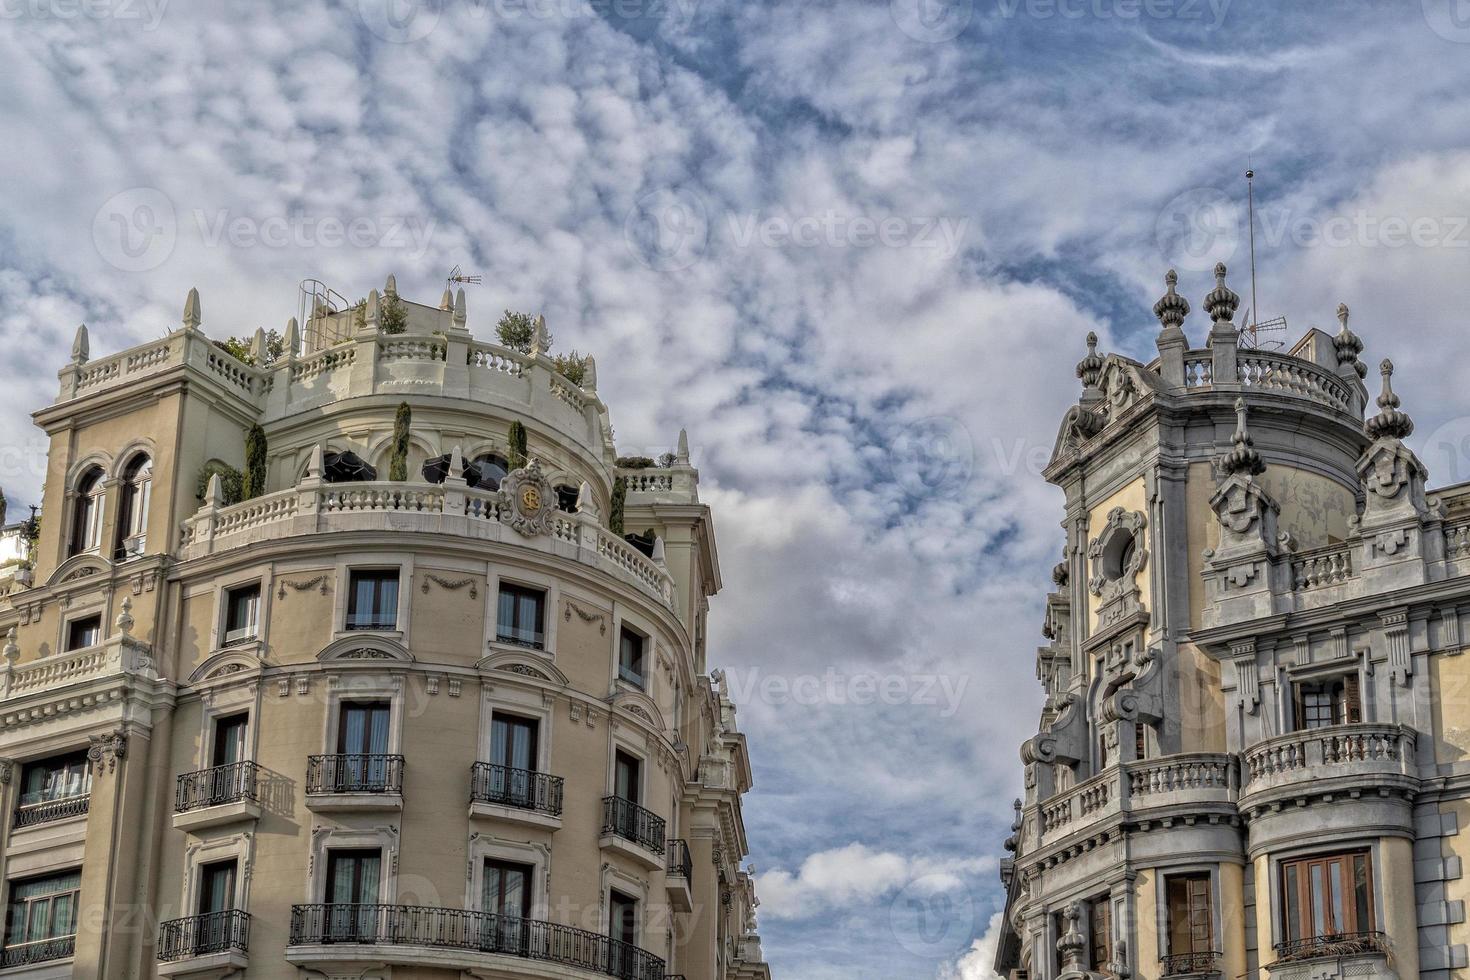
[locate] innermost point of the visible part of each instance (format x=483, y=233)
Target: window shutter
x=1353, y=704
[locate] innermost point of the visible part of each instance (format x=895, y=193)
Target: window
x=626, y=772
x=229, y=740
x=1100, y=935
x=486, y=472
x=1140, y=741
x=506, y=895
x=622, y=927
x=352, y=894
x=61, y=777
x=217, y=888
x=372, y=603
x=1325, y=897
x=513, y=751
x=86, y=528
x=1330, y=701
x=84, y=632
x=566, y=498
x=1191, y=926
x=522, y=616
x=42, y=920
x=132, y=524
x=630, y=656
x=242, y=614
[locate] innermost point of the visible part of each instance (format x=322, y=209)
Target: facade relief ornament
x=1116, y=556
x=531, y=498
x=585, y=616
x=451, y=585
x=104, y=751
x=319, y=582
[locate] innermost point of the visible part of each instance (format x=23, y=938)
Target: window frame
x=134, y=502
x=637, y=677
x=382, y=574
x=518, y=591
x=8, y=936
x=1188, y=878
x=57, y=762
x=227, y=611
x=1323, y=859
x=70, y=629
x=88, y=512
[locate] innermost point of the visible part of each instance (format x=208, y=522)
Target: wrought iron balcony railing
x=45, y=811
x=630, y=821
x=203, y=935
x=524, y=789
x=680, y=864
x=1338, y=944
x=464, y=929
x=214, y=787
x=1190, y=964
x=354, y=774
x=38, y=951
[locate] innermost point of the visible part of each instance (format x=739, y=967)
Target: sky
x=854, y=247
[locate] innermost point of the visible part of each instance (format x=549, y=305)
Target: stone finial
x=257, y=347
x=374, y=303
x=12, y=647
x=1348, y=344
x=456, y=465
x=390, y=287
x=317, y=464
x=1072, y=945
x=1222, y=301
x=291, y=343
x=125, y=621
x=446, y=302
x=658, y=550
x=539, y=342
x=1389, y=423
x=681, y=455
x=1089, y=369
x=192, y=315
x=460, y=313
x=1243, y=458
x=81, y=347
x=1171, y=309
x=586, y=503
x=214, y=493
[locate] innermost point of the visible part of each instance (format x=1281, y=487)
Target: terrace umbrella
x=347, y=467
x=436, y=470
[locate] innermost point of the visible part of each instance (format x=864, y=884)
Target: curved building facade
x=431, y=700
x=1251, y=759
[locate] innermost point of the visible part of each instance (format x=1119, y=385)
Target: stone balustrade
x=324, y=508
x=1330, y=565
x=1135, y=789
x=1346, y=757
x=122, y=655
x=1271, y=371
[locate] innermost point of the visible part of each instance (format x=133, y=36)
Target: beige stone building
x=1252, y=758
x=425, y=703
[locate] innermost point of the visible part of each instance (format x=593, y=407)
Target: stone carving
x=104, y=751
x=452, y=585
x=319, y=582
x=585, y=616
x=531, y=498
x=524, y=671
x=1117, y=555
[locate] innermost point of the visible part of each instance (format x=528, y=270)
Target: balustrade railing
x=203, y=935
x=1331, y=565
x=521, y=788
x=628, y=820
x=1375, y=749
x=1139, y=786
x=45, y=811
x=479, y=932
x=216, y=786
x=1337, y=944
x=679, y=862
x=1272, y=372
x=354, y=773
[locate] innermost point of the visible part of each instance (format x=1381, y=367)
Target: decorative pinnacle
x=1171, y=309
x=1243, y=458
x=1389, y=423
x=81, y=346
x=1089, y=369
x=1348, y=344
x=446, y=302
x=192, y=317
x=125, y=621
x=1222, y=302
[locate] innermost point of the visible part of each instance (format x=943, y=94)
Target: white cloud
x=857, y=874
x=979, y=962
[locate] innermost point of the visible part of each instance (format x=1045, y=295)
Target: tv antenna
x=1250, y=334
x=460, y=277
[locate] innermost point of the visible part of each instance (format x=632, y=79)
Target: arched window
x=132, y=523
x=86, y=527
x=488, y=471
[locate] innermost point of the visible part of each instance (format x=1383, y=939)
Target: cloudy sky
x=853, y=246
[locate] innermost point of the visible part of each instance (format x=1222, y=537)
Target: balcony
x=339, y=938
x=1357, y=954
x=1341, y=760
x=632, y=831
x=679, y=876
x=49, y=811
x=1196, y=966
x=1188, y=783
x=214, y=944
x=38, y=951
x=218, y=796
x=424, y=508
x=517, y=795
x=354, y=782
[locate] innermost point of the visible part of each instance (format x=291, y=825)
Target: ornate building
x=369, y=659
x=1254, y=755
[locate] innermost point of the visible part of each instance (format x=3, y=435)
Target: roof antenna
x=1250, y=334
x=456, y=276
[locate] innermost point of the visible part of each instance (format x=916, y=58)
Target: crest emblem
x=529, y=494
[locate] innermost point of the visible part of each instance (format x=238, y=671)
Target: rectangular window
x=42, y=911
x=58, y=778
x=1327, y=896
x=506, y=897
x=216, y=887
x=84, y=632
x=512, y=742
x=622, y=919
x=1331, y=701
x=372, y=602
x=1100, y=938
x=630, y=656
x=229, y=740
x=522, y=616
x=362, y=743
x=242, y=614
x=1191, y=927
x=626, y=772
x=352, y=895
